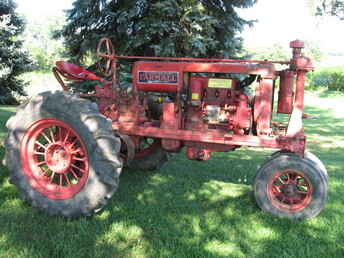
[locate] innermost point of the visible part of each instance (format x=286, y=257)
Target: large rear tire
x=62, y=155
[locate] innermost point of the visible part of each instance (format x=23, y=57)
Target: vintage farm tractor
x=66, y=149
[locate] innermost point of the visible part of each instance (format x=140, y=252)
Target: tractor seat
x=75, y=72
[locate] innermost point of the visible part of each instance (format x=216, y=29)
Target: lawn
x=189, y=208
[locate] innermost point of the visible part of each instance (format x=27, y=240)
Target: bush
x=329, y=78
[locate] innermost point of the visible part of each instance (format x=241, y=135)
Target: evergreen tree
x=194, y=28
x=331, y=7
x=327, y=7
x=13, y=61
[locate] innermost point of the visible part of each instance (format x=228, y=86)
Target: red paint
x=196, y=89
x=74, y=72
x=294, y=144
x=54, y=159
x=286, y=92
x=289, y=190
x=198, y=154
x=171, y=120
x=160, y=77
x=263, y=106
x=199, y=113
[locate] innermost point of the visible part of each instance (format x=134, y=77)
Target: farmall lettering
x=201, y=105
x=158, y=77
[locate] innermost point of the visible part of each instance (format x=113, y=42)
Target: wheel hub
x=289, y=190
x=58, y=158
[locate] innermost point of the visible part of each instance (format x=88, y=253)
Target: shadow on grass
x=188, y=209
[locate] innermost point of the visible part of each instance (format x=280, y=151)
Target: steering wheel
x=106, y=53
x=72, y=72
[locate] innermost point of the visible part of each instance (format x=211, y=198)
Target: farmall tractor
x=66, y=149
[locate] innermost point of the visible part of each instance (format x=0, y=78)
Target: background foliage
x=331, y=7
x=277, y=52
x=39, y=42
x=13, y=60
x=331, y=78
x=197, y=28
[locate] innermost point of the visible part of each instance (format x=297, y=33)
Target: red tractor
x=66, y=149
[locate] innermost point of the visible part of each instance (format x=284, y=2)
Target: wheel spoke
x=40, y=145
x=66, y=137
x=74, y=142
x=78, y=150
x=80, y=169
x=41, y=163
x=60, y=134
x=67, y=179
x=52, y=177
x=52, y=134
x=73, y=173
x=61, y=180
x=39, y=153
x=42, y=173
x=79, y=159
x=46, y=137
x=276, y=189
x=281, y=181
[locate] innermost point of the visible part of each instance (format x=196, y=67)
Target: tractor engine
x=219, y=104
x=181, y=100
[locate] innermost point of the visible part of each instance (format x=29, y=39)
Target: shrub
x=329, y=78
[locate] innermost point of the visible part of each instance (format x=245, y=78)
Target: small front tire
x=291, y=187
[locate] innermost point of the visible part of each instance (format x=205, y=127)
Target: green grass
x=190, y=209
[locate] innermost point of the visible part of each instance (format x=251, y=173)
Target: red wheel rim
x=54, y=159
x=290, y=190
x=146, y=147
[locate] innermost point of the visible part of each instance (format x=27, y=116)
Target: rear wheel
x=291, y=187
x=62, y=155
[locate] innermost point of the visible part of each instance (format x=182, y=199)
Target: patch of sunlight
x=263, y=232
x=229, y=212
x=159, y=179
x=191, y=197
x=336, y=105
x=318, y=222
x=217, y=190
x=147, y=196
x=224, y=249
x=105, y=215
x=3, y=239
x=326, y=141
x=329, y=145
x=195, y=225
x=211, y=220
x=122, y=235
x=11, y=204
x=337, y=184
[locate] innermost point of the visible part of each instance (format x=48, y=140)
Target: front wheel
x=291, y=187
x=149, y=155
x=62, y=155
